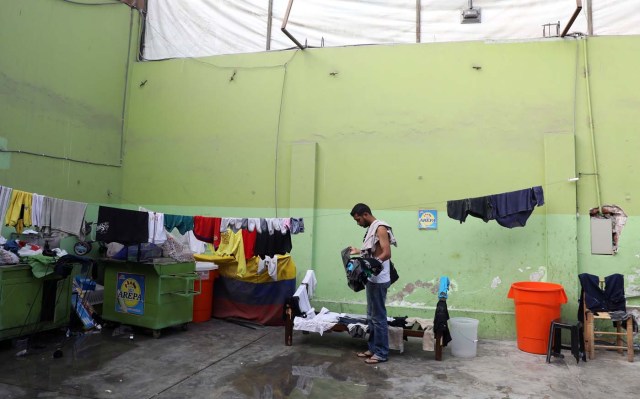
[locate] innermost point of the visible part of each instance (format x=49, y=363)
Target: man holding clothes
x=376, y=244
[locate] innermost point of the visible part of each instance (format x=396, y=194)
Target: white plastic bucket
x=464, y=336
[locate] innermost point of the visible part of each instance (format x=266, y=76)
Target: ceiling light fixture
x=471, y=15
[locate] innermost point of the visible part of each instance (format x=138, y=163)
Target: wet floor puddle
x=310, y=375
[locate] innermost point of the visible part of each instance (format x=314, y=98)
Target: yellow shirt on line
x=19, y=210
x=232, y=244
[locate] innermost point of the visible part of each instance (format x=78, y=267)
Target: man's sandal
x=366, y=354
x=374, y=360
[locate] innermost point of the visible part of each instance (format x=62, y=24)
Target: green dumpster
x=149, y=295
x=29, y=304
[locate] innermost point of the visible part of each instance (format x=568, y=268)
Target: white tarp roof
x=198, y=28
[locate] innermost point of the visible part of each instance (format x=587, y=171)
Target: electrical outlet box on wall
x=601, y=236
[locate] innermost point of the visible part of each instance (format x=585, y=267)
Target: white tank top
x=384, y=276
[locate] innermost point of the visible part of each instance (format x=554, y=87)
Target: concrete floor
x=217, y=359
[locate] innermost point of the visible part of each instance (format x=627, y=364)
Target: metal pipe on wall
x=418, y=21
x=589, y=18
x=591, y=128
x=573, y=18
x=269, y=23
x=284, y=26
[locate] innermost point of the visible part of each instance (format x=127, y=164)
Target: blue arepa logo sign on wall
x=427, y=219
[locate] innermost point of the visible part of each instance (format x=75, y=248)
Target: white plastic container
x=464, y=336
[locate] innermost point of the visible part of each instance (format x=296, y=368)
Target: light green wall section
x=400, y=128
x=302, y=199
x=62, y=86
x=615, y=101
x=561, y=225
x=310, y=133
x=416, y=108
x=203, y=133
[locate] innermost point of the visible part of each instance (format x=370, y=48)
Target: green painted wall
x=62, y=87
x=310, y=133
x=401, y=128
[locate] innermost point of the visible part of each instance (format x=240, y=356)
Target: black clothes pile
x=510, y=209
x=64, y=266
x=358, y=270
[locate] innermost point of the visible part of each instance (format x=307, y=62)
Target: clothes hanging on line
x=479, y=207
x=297, y=225
x=157, y=233
x=5, y=198
x=511, y=209
x=36, y=209
x=182, y=223
x=231, y=244
x=124, y=226
x=19, y=210
x=272, y=244
x=206, y=228
x=62, y=215
x=249, y=242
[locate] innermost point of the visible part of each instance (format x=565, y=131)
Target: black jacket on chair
x=609, y=299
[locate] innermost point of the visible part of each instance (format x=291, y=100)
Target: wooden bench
x=288, y=332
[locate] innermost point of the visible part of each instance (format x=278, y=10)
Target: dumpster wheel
x=156, y=333
x=184, y=326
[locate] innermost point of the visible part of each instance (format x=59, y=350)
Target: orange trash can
x=537, y=304
x=203, y=303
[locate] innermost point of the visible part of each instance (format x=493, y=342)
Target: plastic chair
x=555, y=339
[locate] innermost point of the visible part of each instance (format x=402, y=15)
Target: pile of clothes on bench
x=305, y=318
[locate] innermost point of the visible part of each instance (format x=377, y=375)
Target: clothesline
x=22, y=209
x=416, y=205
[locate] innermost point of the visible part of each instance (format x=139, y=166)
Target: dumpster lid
x=203, y=266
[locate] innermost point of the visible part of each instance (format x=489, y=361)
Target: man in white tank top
x=376, y=244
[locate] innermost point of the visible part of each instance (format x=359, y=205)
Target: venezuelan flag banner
x=254, y=297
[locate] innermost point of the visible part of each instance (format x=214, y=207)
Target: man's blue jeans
x=377, y=319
